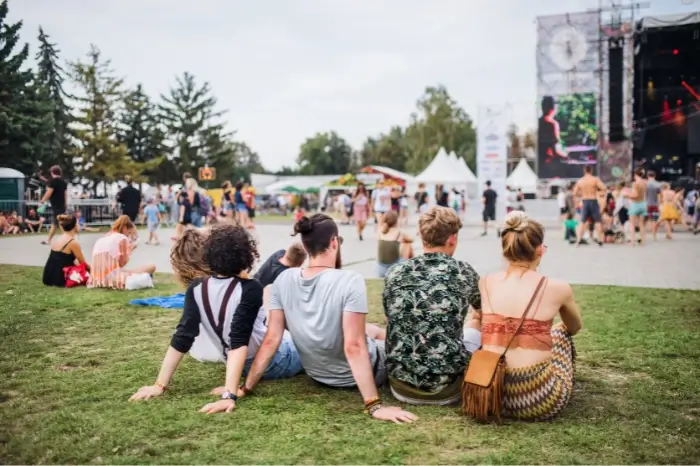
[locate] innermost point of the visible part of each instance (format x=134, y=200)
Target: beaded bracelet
x=371, y=403
x=161, y=386
x=374, y=408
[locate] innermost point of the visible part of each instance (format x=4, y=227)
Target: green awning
x=292, y=190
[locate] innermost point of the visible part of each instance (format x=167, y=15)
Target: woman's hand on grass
x=394, y=414
x=221, y=406
x=146, y=393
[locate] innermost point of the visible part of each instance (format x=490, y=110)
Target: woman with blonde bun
x=539, y=373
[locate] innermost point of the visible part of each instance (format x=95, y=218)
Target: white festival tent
x=523, y=177
x=442, y=170
x=472, y=181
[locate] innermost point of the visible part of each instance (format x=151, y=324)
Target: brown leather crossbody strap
x=218, y=327
x=527, y=310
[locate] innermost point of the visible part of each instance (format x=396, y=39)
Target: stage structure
x=568, y=64
x=617, y=85
x=667, y=95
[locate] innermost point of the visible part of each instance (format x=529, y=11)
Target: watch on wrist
x=229, y=396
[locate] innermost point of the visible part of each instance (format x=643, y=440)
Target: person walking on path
x=57, y=196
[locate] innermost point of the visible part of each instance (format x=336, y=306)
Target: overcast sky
x=286, y=69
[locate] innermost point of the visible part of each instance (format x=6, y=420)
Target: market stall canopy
x=391, y=172
x=296, y=185
x=263, y=181
x=523, y=177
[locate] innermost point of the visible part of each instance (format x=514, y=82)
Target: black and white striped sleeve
x=188, y=328
x=246, y=313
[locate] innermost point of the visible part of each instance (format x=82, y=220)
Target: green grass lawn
x=70, y=359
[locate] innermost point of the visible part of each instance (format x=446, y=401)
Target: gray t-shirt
x=653, y=191
x=313, y=310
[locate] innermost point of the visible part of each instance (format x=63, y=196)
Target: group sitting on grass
x=11, y=223
x=313, y=319
x=110, y=256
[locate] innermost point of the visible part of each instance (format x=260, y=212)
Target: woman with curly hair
x=223, y=319
x=187, y=256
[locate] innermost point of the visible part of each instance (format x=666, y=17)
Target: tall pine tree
x=99, y=155
x=24, y=116
x=141, y=133
x=193, y=123
x=50, y=79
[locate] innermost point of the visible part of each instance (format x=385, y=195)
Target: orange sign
x=207, y=174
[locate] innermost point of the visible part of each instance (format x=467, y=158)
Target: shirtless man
x=587, y=189
x=638, y=205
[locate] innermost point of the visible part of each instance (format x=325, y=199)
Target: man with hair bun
x=325, y=308
x=426, y=300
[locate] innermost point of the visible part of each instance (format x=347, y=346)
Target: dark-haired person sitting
x=223, y=317
x=65, y=252
x=34, y=221
x=426, y=300
x=278, y=262
x=324, y=309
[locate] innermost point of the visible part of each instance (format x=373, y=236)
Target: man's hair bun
x=303, y=226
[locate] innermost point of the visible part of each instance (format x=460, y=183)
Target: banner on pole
x=492, y=154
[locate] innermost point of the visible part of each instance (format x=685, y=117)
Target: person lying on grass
x=324, y=309
x=224, y=319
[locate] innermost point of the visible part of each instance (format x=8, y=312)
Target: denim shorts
x=196, y=219
x=383, y=269
x=241, y=208
x=285, y=363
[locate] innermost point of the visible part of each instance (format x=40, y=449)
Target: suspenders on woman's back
x=218, y=327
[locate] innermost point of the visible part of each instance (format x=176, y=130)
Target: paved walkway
x=662, y=264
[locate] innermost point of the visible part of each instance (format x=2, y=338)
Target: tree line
x=103, y=131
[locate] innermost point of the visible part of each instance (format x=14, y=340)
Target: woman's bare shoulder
x=560, y=288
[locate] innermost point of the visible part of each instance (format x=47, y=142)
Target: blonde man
x=425, y=301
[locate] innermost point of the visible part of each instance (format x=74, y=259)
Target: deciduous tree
x=325, y=154
x=388, y=150
x=439, y=122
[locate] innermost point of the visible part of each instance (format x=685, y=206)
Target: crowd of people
x=626, y=212
x=287, y=319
